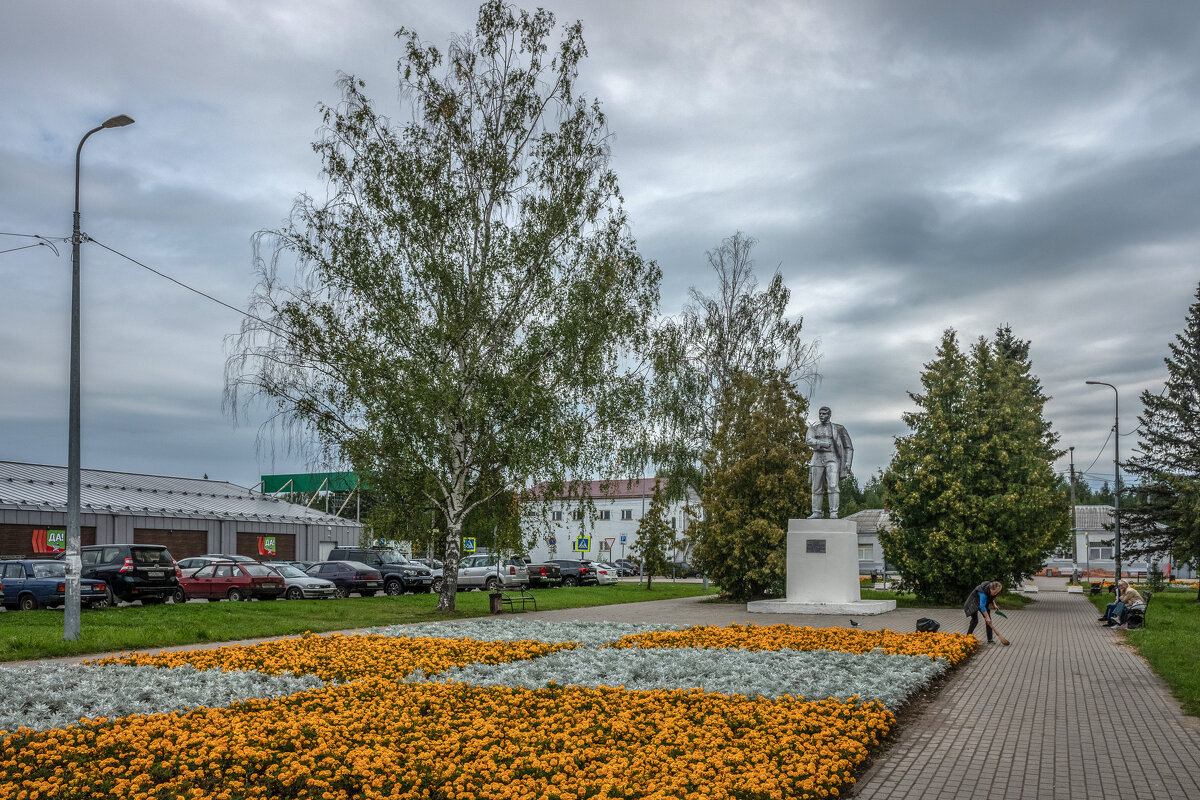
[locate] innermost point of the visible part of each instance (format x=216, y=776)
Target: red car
x=233, y=581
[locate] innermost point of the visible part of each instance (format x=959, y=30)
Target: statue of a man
x=833, y=453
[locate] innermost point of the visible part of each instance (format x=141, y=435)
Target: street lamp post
x=1116, y=475
x=73, y=564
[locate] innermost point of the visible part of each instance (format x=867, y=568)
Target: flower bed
x=404, y=716
x=954, y=647
x=345, y=658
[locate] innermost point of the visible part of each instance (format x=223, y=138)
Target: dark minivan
x=145, y=572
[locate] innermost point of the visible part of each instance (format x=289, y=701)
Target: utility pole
x=1074, y=524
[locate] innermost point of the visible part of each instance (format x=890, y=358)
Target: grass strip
x=1169, y=641
x=27, y=635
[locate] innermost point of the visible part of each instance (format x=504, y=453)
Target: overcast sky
x=907, y=167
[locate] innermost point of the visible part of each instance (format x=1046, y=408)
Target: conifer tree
x=756, y=479
x=971, y=488
x=1167, y=521
x=654, y=536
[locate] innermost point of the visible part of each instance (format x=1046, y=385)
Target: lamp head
x=119, y=121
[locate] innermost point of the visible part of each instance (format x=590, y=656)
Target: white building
x=606, y=530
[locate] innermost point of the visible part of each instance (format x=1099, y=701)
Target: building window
x=1098, y=552
x=605, y=515
x=672, y=523
x=556, y=516
x=866, y=552
x=627, y=513
x=577, y=515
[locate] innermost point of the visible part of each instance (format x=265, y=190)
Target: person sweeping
x=979, y=601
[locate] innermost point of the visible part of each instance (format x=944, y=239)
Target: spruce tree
x=1167, y=464
x=971, y=488
x=654, y=536
x=756, y=479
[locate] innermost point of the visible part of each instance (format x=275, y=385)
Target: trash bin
x=494, y=602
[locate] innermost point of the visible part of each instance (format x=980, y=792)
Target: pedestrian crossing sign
x=468, y=544
x=583, y=544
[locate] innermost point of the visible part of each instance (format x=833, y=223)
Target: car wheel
x=570, y=580
x=294, y=593
x=235, y=595
x=436, y=586
x=99, y=605
x=491, y=584
x=28, y=603
x=179, y=596
x=393, y=588
x=342, y=591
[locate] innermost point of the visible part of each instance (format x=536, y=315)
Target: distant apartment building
x=604, y=529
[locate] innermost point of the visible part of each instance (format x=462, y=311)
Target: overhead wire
x=180, y=283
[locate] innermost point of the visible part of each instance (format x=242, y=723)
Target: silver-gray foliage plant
x=60, y=695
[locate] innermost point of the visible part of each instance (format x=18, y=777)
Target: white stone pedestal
x=822, y=572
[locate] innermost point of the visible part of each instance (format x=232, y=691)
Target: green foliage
x=756, y=479
x=654, y=537
x=1166, y=520
x=738, y=330
x=468, y=306
x=971, y=487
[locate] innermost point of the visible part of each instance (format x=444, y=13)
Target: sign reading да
x=51, y=540
x=266, y=546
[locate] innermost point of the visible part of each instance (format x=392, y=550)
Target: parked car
x=490, y=573
x=575, y=572
x=233, y=580
x=349, y=576
x=399, y=574
x=627, y=568
x=682, y=569
x=299, y=585
x=143, y=572
x=230, y=557
x=435, y=567
x=606, y=574
x=544, y=575
x=188, y=566
x=30, y=584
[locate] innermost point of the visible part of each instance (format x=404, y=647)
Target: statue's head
x=824, y=413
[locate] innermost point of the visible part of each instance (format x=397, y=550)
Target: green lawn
x=38, y=634
x=1169, y=641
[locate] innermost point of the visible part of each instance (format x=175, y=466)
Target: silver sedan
x=302, y=586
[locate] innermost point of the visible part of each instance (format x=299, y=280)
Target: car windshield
x=258, y=570
x=288, y=571
x=391, y=557
x=49, y=570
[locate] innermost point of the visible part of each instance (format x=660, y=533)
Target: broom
x=1003, y=641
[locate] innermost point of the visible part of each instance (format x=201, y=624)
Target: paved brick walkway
x=1034, y=720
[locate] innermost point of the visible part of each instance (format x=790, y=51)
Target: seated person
x=1126, y=596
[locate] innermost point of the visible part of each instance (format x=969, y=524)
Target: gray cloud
x=907, y=167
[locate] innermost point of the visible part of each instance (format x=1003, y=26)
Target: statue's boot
x=815, y=515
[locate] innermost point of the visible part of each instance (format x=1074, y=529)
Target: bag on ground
x=927, y=625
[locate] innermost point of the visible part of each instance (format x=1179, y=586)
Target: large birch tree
x=466, y=302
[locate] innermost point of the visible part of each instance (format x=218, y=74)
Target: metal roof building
x=189, y=515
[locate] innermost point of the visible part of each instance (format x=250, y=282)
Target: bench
x=1137, y=614
x=524, y=599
